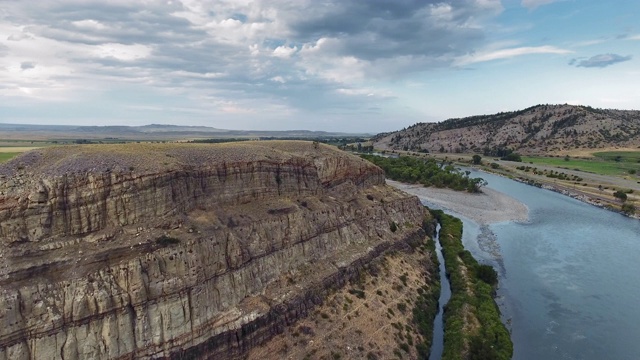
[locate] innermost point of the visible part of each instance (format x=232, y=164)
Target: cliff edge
x=183, y=250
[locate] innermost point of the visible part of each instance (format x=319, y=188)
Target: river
x=569, y=277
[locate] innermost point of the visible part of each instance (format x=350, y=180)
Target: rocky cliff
x=182, y=251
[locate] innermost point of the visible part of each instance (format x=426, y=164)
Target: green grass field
x=5, y=156
x=619, y=156
x=617, y=163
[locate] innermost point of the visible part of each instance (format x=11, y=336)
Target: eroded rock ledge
x=259, y=231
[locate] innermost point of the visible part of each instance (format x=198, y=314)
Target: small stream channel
x=437, y=344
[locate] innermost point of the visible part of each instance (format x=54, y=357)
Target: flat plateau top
x=154, y=157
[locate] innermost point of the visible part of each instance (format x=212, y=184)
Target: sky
x=363, y=66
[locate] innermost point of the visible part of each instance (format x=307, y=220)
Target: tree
x=620, y=195
x=477, y=159
x=512, y=157
x=476, y=184
x=487, y=274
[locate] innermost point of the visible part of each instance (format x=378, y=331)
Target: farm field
x=11, y=149
x=616, y=163
x=5, y=156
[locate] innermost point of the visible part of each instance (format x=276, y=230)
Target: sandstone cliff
x=181, y=251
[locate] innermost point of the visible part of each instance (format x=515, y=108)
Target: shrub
x=394, y=227
x=402, y=307
x=165, y=240
x=628, y=209
x=512, y=157
x=487, y=274
x=403, y=278
x=357, y=293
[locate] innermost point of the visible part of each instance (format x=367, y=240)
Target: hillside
x=535, y=130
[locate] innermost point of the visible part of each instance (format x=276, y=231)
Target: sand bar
x=488, y=207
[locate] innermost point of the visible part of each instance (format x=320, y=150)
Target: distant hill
x=535, y=130
x=147, y=132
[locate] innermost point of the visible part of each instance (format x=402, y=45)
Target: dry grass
x=18, y=149
x=149, y=157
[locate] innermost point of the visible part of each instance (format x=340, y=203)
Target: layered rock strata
x=182, y=251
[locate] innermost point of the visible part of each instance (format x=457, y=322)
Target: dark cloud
x=600, y=61
x=125, y=24
x=371, y=30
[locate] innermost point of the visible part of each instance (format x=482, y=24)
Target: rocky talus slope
x=183, y=251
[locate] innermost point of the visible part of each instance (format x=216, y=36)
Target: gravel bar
x=489, y=206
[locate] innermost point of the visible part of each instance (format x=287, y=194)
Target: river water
x=569, y=277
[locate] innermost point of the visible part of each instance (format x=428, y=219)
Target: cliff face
x=182, y=250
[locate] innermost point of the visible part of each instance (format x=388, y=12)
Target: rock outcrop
x=182, y=251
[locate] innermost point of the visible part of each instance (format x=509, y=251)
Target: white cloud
x=122, y=52
x=284, y=51
x=509, y=53
x=89, y=24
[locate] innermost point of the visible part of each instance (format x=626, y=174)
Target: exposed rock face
x=178, y=251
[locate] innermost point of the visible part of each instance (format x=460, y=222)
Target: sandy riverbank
x=490, y=206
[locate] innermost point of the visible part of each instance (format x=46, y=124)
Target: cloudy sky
x=338, y=65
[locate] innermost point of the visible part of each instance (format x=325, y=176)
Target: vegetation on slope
x=427, y=172
x=472, y=326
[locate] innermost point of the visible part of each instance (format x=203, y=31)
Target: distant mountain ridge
x=146, y=132
x=537, y=129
